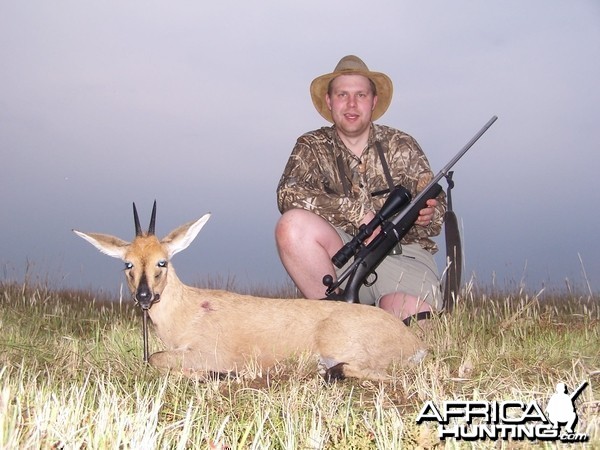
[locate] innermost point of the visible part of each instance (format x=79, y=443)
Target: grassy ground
x=71, y=376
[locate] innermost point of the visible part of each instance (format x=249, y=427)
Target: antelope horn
x=152, y=220
x=136, y=219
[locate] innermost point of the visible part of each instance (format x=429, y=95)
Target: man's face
x=351, y=102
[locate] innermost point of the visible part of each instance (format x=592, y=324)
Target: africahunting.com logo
x=508, y=420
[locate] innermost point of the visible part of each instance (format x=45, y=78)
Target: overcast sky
x=198, y=104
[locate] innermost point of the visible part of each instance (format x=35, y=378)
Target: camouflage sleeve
x=311, y=181
x=418, y=174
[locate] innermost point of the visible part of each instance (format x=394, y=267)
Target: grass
x=71, y=376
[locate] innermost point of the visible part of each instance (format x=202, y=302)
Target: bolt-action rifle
x=394, y=219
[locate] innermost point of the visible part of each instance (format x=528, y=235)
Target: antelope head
x=146, y=258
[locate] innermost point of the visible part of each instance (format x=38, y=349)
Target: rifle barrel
x=442, y=173
x=466, y=148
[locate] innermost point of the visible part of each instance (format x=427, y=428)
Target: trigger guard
x=369, y=283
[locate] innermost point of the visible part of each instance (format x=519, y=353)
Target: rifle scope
x=396, y=201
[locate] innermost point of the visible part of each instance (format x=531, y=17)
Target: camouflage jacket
x=312, y=179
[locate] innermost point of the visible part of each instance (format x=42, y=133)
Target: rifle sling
x=384, y=164
x=343, y=176
x=452, y=282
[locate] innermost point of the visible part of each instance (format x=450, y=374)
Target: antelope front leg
x=184, y=362
x=167, y=360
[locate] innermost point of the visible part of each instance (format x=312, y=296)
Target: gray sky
x=198, y=106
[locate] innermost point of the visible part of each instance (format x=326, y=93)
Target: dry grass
x=71, y=376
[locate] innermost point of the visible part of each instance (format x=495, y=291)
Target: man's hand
x=426, y=214
x=370, y=215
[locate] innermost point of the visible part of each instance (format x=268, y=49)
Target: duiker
x=208, y=331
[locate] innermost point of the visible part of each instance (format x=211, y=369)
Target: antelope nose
x=144, y=297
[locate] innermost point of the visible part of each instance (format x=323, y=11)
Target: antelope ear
x=180, y=238
x=109, y=245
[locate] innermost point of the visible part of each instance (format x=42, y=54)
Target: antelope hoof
x=335, y=373
x=331, y=370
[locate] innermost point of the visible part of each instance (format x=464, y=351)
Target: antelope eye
x=128, y=265
x=162, y=263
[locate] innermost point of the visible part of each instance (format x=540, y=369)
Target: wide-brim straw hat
x=352, y=65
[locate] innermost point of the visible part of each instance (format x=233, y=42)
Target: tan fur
x=220, y=331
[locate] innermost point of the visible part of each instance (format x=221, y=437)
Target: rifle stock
x=367, y=258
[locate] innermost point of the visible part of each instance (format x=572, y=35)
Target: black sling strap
x=386, y=168
x=343, y=177
x=452, y=281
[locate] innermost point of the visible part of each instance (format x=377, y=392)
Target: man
x=337, y=178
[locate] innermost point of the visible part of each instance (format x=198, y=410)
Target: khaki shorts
x=413, y=272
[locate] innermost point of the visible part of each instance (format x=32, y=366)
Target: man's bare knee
x=291, y=227
x=298, y=226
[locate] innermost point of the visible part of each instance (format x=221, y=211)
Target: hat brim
x=383, y=83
